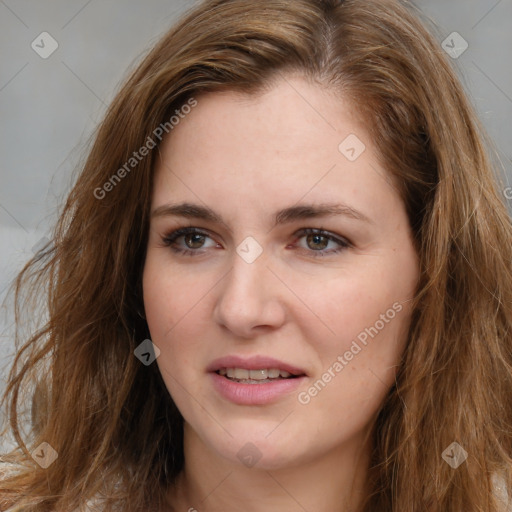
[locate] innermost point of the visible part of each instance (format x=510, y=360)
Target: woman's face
x=300, y=260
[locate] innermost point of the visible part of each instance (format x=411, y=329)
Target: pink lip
x=253, y=363
x=254, y=394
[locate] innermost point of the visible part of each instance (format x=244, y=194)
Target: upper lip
x=253, y=363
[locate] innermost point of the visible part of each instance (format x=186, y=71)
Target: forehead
x=267, y=150
x=291, y=115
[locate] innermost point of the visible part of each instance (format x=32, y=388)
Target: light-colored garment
x=501, y=494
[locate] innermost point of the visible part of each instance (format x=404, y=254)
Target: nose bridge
x=247, y=281
x=249, y=296
x=250, y=274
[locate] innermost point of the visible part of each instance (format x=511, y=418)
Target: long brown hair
x=110, y=419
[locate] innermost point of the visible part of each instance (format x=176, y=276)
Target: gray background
x=49, y=107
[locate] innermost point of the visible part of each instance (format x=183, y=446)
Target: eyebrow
x=286, y=215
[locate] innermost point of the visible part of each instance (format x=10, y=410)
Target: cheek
x=369, y=314
x=170, y=296
x=166, y=315
x=357, y=371
x=352, y=306
x=178, y=312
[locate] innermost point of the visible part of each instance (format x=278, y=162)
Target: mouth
x=255, y=380
x=258, y=376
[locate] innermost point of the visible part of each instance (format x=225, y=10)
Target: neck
x=334, y=481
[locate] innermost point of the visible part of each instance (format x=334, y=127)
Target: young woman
x=281, y=282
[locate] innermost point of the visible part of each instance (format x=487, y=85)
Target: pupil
x=194, y=239
x=317, y=241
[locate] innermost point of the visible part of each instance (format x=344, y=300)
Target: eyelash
x=169, y=239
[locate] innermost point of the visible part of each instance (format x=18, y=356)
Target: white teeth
x=258, y=374
x=242, y=373
x=238, y=373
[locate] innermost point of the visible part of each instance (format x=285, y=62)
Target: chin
x=257, y=451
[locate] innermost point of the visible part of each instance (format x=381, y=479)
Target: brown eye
x=317, y=242
x=188, y=241
x=194, y=241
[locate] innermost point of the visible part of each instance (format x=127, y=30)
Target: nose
x=249, y=299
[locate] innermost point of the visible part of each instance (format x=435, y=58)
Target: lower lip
x=254, y=394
